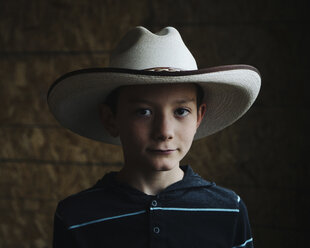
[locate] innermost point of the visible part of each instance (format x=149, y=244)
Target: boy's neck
x=150, y=182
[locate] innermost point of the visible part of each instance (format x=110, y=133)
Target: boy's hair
x=112, y=98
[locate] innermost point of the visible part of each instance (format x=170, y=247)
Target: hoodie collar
x=190, y=180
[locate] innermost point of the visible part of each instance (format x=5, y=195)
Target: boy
x=154, y=102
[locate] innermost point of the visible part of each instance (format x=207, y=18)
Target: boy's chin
x=164, y=166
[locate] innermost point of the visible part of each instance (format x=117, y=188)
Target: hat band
x=172, y=69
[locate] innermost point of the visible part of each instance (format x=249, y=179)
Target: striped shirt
x=190, y=213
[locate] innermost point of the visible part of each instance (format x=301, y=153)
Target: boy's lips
x=162, y=151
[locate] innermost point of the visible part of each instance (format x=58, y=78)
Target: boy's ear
x=108, y=119
x=200, y=113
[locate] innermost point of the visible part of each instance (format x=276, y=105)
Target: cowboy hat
x=143, y=57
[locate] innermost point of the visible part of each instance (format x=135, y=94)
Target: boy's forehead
x=154, y=90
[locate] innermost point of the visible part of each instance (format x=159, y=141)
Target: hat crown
x=141, y=49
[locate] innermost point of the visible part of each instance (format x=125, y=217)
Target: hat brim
x=74, y=98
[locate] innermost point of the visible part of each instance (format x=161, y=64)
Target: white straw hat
x=146, y=58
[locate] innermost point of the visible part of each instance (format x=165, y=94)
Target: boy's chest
x=160, y=226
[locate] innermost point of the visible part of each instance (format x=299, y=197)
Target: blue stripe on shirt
x=244, y=244
x=197, y=209
x=105, y=219
x=153, y=209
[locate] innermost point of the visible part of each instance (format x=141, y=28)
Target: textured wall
x=260, y=157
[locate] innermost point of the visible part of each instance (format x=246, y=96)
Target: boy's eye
x=144, y=112
x=182, y=112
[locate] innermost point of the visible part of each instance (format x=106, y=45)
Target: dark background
x=262, y=156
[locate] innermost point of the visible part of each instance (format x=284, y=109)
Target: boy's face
x=156, y=124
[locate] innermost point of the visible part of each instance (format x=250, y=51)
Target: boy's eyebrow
x=180, y=101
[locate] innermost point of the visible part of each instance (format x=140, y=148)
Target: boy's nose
x=163, y=128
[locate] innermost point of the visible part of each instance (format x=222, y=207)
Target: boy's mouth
x=162, y=151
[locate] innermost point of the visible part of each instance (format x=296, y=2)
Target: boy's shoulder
x=86, y=204
x=210, y=195
x=87, y=196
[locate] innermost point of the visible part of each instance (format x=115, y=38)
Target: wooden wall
x=261, y=157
